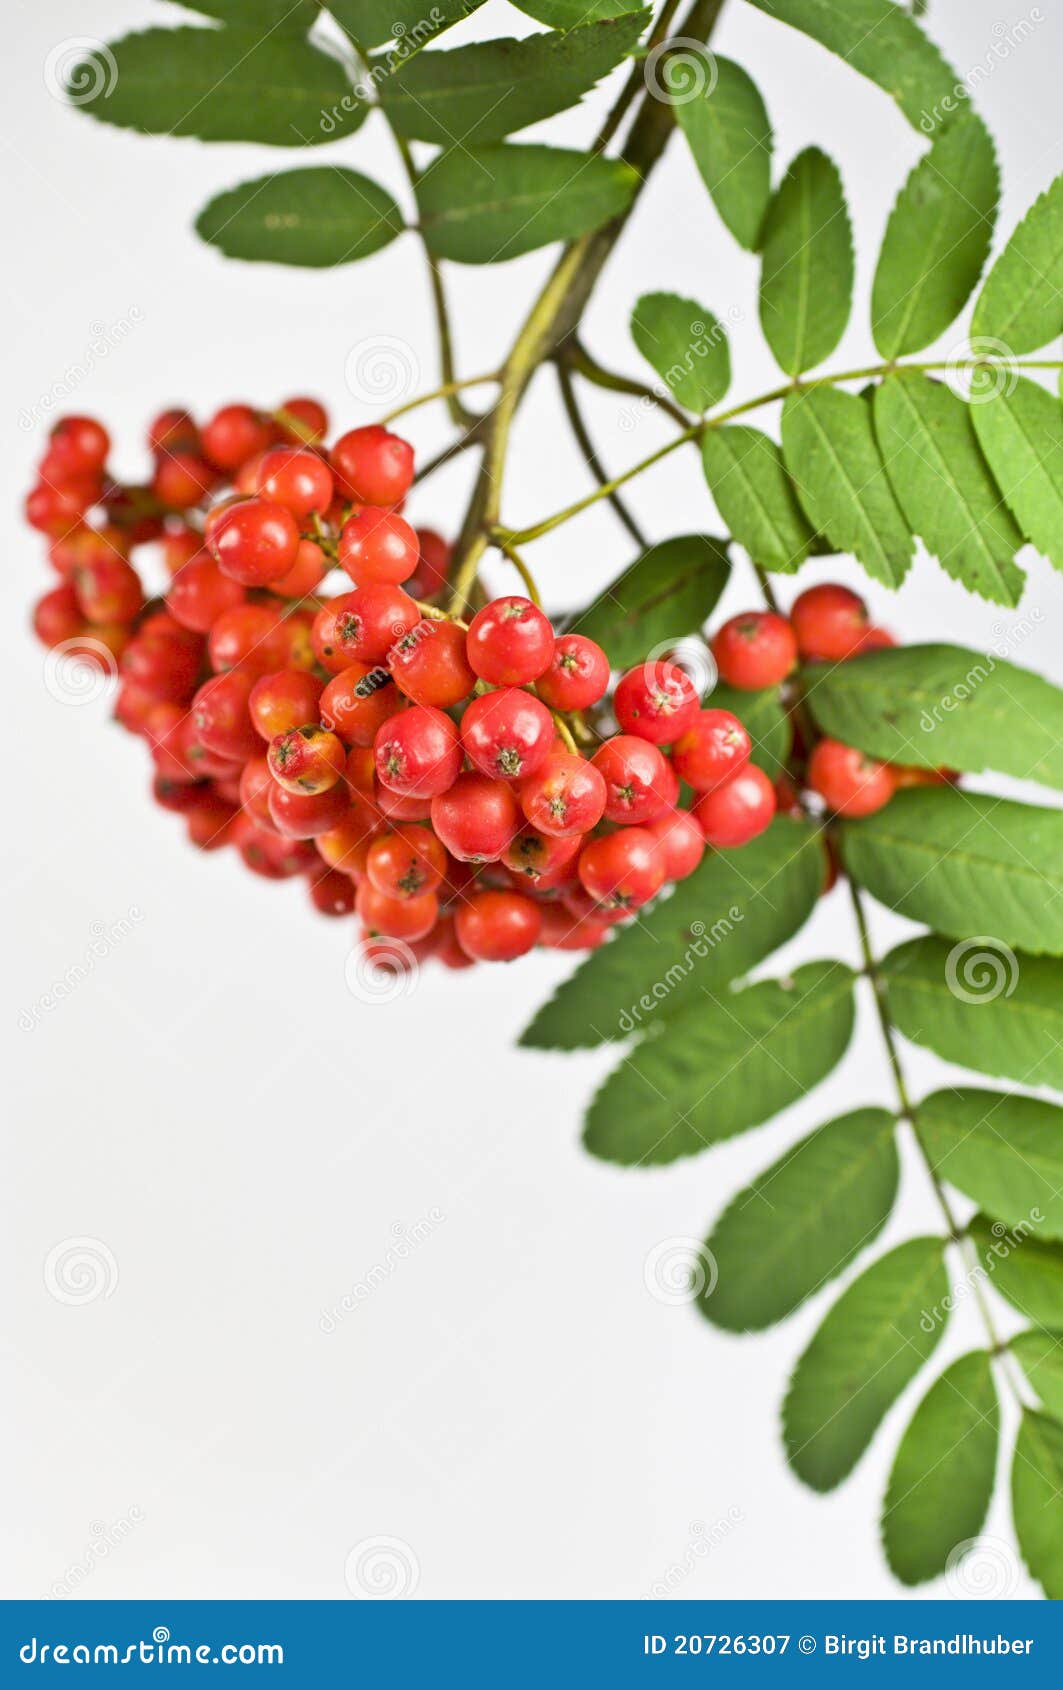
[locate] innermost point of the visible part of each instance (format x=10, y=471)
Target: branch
x=594, y=463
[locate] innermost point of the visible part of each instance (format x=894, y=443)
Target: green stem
x=557, y=310
x=577, y=357
x=694, y=431
x=522, y=569
x=445, y=390
x=593, y=462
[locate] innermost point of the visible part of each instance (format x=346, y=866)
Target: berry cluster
x=462, y=787
x=454, y=784
x=826, y=624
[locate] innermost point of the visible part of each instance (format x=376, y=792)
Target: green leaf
x=666, y=594
x=944, y=487
x=687, y=347
x=755, y=497
x=934, y=706
x=980, y=1005
x=829, y=446
x=234, y=84
x=965, y=863
x=1021, y=307
x=1037, y=1500
x=1025, y=1270
x=871, y=1344
x=1040, y=1355
x=806, y=280
x=314, y=218
x=403, y=25
x=728, y=131
x=732, y=912
x=493, y=203
x=882, y=42
x=764, y=718
x=1020, y=430
x=286, y=17
x=567, y=14
x=941, y=1482
x=937, y=239
x=802, y=1221
x=466, y=96
x=727, y=1063
x=1005, y=1152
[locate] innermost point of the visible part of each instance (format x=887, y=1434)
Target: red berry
x=657, y=701
x=108, y=589
x=566, y=796
x=850, y=783
x=357, y=702
x=220, y=715
x=284, y=700
x=377, y=545
x=296, y=478
x=578, y=674
x=714, y=747
x=372, y=466
x=305, y=815
x=756, y=649
x=304, y=420
x=623, y=870
x=476, y=818
x=56, y=508
x=828, y=622
x=173, y=430
x=361, y=627
x=433, y=564
x=306, y=573
x=639, y=781
x=510, y=642
x=256, y=784
x=182, y=479
x=497, y=926
x=398, y=918
x=542, y=859
x=418, y=752
x=874, y=639
x=734, y=813
x=563, y=931
x=234, y=434
x=332, y=893
x=306, y=759
x=255, y=542
x=81, y=444
x=199, y=593
x=507, y=734
x=57, y=616
x=680, y=842
x=429, y=664
x=210, y=821
x=249, y=634
x=407, y=862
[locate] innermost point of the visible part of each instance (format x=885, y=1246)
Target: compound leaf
x=487, y=204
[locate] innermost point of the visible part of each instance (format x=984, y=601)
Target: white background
x=242, y=1137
